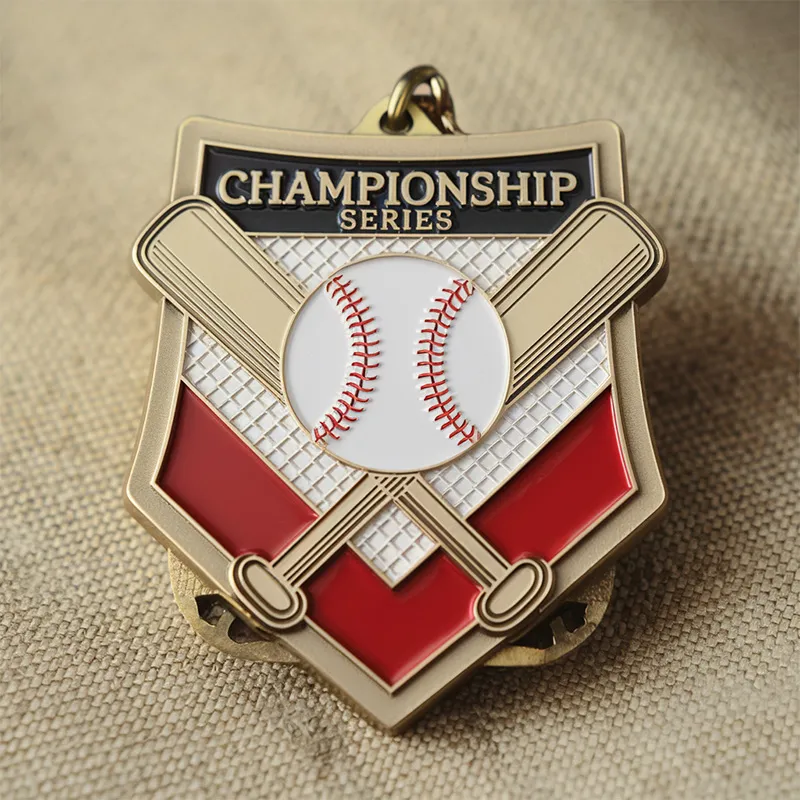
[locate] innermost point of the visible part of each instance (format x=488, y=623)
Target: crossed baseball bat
x=600, y=259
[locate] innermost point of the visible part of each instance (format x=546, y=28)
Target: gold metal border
x=396, y=708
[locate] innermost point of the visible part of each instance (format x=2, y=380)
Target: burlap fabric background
x=689, y=689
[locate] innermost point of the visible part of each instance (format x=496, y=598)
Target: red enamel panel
x=557, y=495
x=222, y=484
x=391, y=630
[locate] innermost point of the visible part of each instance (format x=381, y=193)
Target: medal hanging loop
x=437, y=105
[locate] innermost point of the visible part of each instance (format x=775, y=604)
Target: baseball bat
x=273, y=593
x=200, y=260
x=603, y=257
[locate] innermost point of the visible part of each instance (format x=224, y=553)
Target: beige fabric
x=689, y=690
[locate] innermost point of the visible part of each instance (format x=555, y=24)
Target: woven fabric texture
x=691, y=686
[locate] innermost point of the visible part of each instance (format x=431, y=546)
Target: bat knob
x=514, y=597
x=275, y=603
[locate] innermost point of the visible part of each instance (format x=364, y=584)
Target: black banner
x=269, y=193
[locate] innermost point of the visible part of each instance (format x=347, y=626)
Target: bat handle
x=514, y=596
x=274, y=602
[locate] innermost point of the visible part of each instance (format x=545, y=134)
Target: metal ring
x=397, y=119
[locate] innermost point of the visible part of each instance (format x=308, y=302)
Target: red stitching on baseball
x=433, y=382
x=361, y=368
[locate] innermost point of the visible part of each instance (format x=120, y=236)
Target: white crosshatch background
x=391, y=543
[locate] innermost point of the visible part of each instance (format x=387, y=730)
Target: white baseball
x=396, y=364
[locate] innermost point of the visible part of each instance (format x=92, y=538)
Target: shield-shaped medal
x=396, y=411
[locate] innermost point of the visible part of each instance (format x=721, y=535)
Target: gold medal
x=396, y=426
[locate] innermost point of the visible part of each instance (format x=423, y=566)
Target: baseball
x=396, y=364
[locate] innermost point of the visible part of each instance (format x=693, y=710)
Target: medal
x=396, y=425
